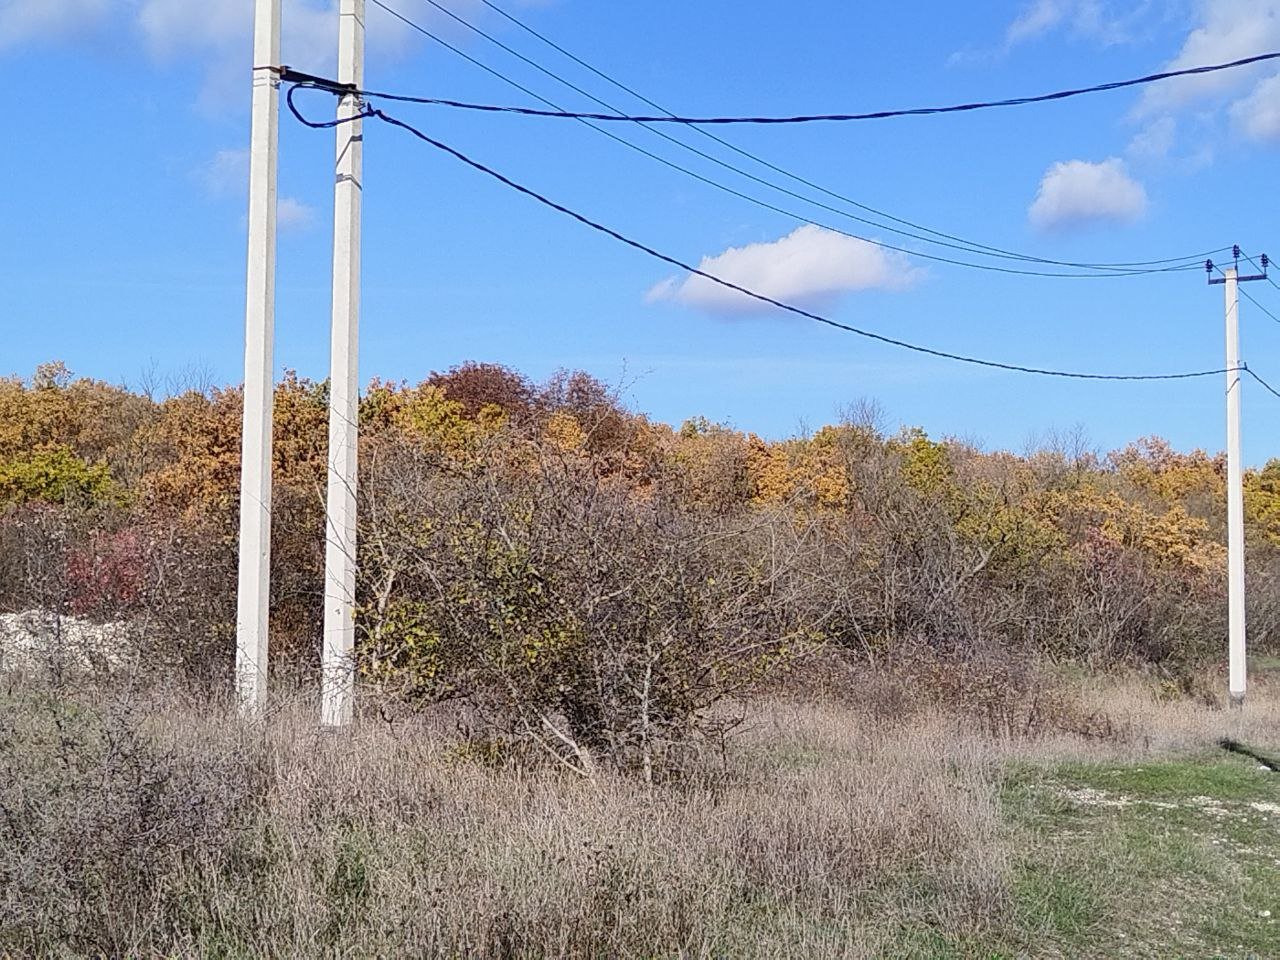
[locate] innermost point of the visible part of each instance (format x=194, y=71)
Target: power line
x=688, y=268
x=618, y=113
x=827, y=117
x=1254, y=301
x=1263, y=269
x=1270, y=389
x=1270, y=279
x=791, y=175
x=1244, y=291
x=1120, y=269
x=1111, y=270
x=304, y=81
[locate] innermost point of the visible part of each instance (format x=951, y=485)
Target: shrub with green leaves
x=572, y=616
x=55, y=475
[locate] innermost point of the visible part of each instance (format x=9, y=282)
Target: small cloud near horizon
x=810, y=267
x=1075, y=193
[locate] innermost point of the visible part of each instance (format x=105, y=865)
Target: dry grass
x=1154, y=720
x=803, y=840
x=137, y=823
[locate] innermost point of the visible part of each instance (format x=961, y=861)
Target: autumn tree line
x=594, y=587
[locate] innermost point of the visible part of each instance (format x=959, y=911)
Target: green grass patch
x=1170, y=859
x=1218, y=776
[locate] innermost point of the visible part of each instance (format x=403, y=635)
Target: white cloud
x=1036, y=20
x=1107, y=23
x=1077, y=192
x=293, y=214
x=1102, y=22
x=219, y=30
x=309, y=28
x=220, y=34
x=1257, y=116
x=1226, y=30
x=216, y=34
x=25, y=21
x=809, y=267
x=1155, y=140
x=227, y=172
x=1222, y=31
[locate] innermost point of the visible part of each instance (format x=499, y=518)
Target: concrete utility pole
x=1235, y=496
x=252, y=599
x=1238, y=664
x=338, y=669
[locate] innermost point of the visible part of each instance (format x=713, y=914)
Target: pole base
x=1236, y=700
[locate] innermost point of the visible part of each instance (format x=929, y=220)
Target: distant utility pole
x=1238, y=670
x=337, y=666
x=254, y=587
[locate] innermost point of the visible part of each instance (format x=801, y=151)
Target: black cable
x=314, y=83
x=829, y=117
x=1268, y=387
x=1233, y=746
x=688, y=268
x=1270, y=279
x=974, y=245
x=1239, y=289
x=617, y=113
x=1244, y=292
x=1255, y=302
x=1262, y=269
x=318, y=83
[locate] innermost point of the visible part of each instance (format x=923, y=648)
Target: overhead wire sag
x=1244, y=292
x=838, y=117
x=379, y=114
x=791, y=175
x=1124, y=269
x=1266, y=386
x=962, y=246
x=1112, y=270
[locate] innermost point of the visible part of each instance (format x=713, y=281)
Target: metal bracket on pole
x=290, y=75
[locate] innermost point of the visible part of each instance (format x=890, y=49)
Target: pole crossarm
x=1210, y=266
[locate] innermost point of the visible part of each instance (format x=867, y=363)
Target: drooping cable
x=797, y=178
x=1243, y=291
x=308, y=81
x=1125, y=269
x=695, y=271
x=1266, y=386
x=1178, y=263
x=827, y=117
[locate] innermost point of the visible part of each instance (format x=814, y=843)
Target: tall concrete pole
x=338, y=669
x=1235, y=497
x=252, y=599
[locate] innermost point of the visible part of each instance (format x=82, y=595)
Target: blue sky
x=124, y=243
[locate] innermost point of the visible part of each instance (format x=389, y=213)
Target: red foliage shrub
x=107, y=574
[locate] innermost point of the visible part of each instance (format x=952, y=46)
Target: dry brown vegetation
x=625, y=690
x=138, y=822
